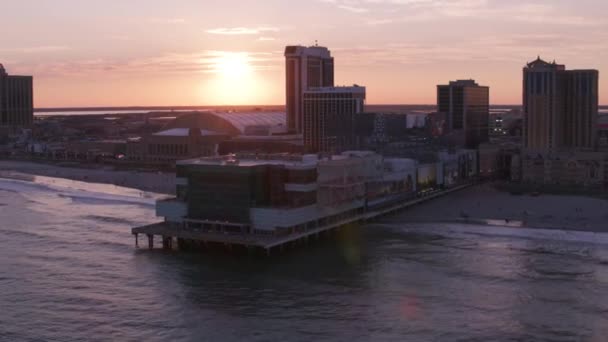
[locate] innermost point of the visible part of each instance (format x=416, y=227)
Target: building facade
x=560, y=107
x=16, y=102
x=329, y=117
x=166, y=147
x=373, y=129
x=565, y=169
x=602, y=132
x=466, y=107
x=305, y=67
x=280, y=194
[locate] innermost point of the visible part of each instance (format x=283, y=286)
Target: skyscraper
x=560, y=106
x=306, y=67
x=466, y=105
x=329, y=117
x=16, y=101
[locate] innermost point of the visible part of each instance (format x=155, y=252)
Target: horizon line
x=239, y=106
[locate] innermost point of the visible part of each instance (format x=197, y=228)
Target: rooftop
x=241, y=120
x=248, y=160
x=316, y=51
x=304, y=161
x=462, y=83
x=232, y=123
x=343, y=89
x=183, y=132
x=471, y=83
x=539, y=63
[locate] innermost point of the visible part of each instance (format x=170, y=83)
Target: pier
x=194, y=232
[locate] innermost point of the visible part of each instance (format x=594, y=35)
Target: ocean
x=70, y=272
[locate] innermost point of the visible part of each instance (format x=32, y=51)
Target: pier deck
x=267, y=242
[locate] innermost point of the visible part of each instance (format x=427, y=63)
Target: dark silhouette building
x=466, y=107
x=560, y=106
x=329, y=117
x=16, y=101
x=305, y=68
x=373, y=129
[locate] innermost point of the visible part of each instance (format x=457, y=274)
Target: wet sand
x=158, y=182
x=483, y=202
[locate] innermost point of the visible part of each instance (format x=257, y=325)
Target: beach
x=159, y=182
x=482, y=203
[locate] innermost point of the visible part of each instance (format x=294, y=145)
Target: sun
x=234, y=81
x=233, y=65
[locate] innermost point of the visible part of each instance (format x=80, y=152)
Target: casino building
x=16, y=102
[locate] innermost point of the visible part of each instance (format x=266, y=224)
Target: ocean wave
x=109, y=219
x=77, y=194
x=101, y=199
x=462, y=230
x=20, y=186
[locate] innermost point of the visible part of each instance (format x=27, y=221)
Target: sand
x=159, y=182
x=484, y=202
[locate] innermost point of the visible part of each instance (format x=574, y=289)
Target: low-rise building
x=495, y=160
x=265, y=194
x=280, y=193
x=373, y=128
x=174, y=144
x=457, y=166
x=566, y=169
x=285, y=143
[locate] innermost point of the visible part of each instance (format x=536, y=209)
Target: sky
x=230, y=52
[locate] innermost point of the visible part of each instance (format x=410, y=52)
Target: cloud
x=512, y=49
x=165, y=64
x=386, y=12
x=36, y=49
x=241, y=30
x=266, y=39
x=167, y=20
x=119, y=37
x=377, y=22
x=354, y=9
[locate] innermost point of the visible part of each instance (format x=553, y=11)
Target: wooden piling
x=150, y=241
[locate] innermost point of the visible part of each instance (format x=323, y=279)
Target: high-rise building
x=466, y=106
x=306, y=67
x=16, y=101
x=560, y=106
x=329, y=117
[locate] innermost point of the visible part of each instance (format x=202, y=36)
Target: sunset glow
x=154, y=52
x=232, y=80
x=233, y=66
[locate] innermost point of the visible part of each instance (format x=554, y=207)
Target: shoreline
x=479, y=205
x=485, y=205
x=158, y=182
x=498, y=223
